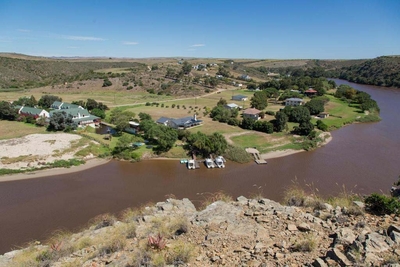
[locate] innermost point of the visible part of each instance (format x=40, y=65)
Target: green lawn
x=14, y=129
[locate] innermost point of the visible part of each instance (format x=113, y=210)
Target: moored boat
x=209, y=163
x=191, y=164
x=219, y=161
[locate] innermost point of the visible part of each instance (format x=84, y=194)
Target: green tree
x=298, y=114
x=7, y=111
x=218, y=143
x=280, y=122
x=91, y=104
x=304, y=128
x=144, y=116
x=26, y=101
x=322, y=126
x=60, y=121
x=259, y=100
x=315, y=106
x=166, y=138
x=264, y=126
x=223, y=71
x=106, y=82
x=248, y=123
x=99, y=113
x=186, y=67
x=222, y=102
x=47, y=100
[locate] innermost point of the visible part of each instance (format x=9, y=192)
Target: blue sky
x=324, y=29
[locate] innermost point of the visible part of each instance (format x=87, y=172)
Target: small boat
x=191, y=164
x=209, y=163
x=219, y=161
x=184, y=160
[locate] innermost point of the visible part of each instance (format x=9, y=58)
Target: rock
x=393, y=228
x=304, y=227
x=328, y=207
x=339, y=257
x=372, y=259
x=359, y=204
x=345, y=236
x=259, y=246
x=292, y=227
x=319, y=263
x=395, y=236
x=279, y=255
x=242, y=200
x=375, y=243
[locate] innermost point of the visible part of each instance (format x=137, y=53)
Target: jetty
x=256, y=155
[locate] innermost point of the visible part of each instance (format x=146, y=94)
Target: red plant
x=157, y=242
x=56, y=246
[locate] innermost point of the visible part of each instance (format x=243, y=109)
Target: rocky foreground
x=246, y=232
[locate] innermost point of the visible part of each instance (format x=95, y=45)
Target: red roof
x=251, y=111
x=311, y=91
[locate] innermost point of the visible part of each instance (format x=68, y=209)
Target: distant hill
x=381, y=71
x=26, y=71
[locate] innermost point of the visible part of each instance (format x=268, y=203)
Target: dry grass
x=180, y=252
x=14, y=129
x=103, y=220
x=210, y=198
x=25, y=158
x=306, y=243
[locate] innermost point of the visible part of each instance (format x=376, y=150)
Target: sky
x=254, y=29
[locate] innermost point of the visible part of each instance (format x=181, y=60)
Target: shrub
x=148, y=104
x=382, y=204
x=237, y=154
x=181, y=252
x=103, y=220
x=306, y=244
x=269, y=112
x=130, y=87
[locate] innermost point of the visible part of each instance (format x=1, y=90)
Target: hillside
x=381, y=71
x=35, y=72
x=246, y=232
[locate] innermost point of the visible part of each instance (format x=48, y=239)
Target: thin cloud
x=191, y=49
x=23, y=30
x=81, y=38
x=72, y=47
x=197, y=45
x=130, y=43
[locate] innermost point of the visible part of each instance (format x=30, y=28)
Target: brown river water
x=364, y=158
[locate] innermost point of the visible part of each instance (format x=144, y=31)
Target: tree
x=91, y=104
x=322, y=126
x=297, y=114
x=7, y=111
x=186, y=67
x=281, y=120
x=60, y=121
x=222, y=102
x=144, y=116
x=26, y=101
x=106, y=82
x=369, y=105
x=264, y=126
x=248, y=123
x=259, y=100
x=166, y=138
x=47, y=100
x=315, y=106
x=223, y=71
x=79, y=103
x=124, y=142
x=99, y=113
x=218, y=143
x=304, y=128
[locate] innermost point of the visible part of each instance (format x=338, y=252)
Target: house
x=239, y=98
x=294, y=101
x=63, y=105
x=33, y=112
x=245, y=77
x=251, y=113
x=310, y=92
x=232, y=106
x=81, y=116
x=323, y=115
x=181, y=123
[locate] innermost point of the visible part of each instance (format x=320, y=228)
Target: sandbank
x=56, y=171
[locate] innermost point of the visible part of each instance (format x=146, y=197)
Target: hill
x=246, y=232
x=381, y=71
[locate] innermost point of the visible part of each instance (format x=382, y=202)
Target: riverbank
x=56, y=171
x=251, y=232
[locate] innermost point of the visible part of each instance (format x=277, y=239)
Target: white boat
x=209, y=163
x=190, y=164
x=219, y=161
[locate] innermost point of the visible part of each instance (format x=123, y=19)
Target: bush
x=382, y=204
x=130, y=87
x=107, y=82
x=237, y=154
x=270, y=112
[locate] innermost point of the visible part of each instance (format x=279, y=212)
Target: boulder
x=339, y=257
x=376, y=243
x=319, y=263
x=345, y=236
x=242, y=200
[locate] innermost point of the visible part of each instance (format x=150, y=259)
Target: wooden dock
x=256, y=155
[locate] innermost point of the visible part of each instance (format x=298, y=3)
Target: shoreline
x=91, y=163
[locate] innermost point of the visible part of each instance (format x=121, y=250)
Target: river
x=363, y=158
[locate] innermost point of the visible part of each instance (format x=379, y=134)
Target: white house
x=232, y=106
x=294, y=101
x=239, y=98
x=33, y=112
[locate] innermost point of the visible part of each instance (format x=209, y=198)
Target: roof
x=69, y=106
x=73, y=111
x=295, y=99
x=86, y=118
x=232, y=105
x=310, y=91
x=163, y=120
x=239, y=96
x=32, y=111
x=56, y=103
x=182, y=121
x=251, y=111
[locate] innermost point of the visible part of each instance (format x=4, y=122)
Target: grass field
x=340, y=113
x=14, y=129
